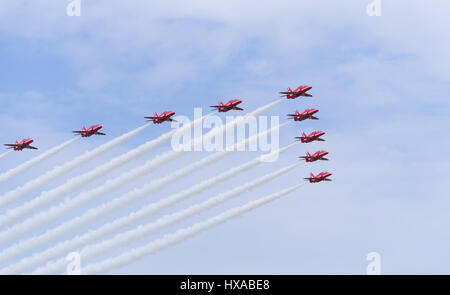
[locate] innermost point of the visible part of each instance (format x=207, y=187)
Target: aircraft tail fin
x=308, y=154
x=312, y=175
x=156, y=114
x=303, y=133
x=289, y=89
x=84, y=128
x=221, y=103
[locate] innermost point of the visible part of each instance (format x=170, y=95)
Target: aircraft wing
x=300, y=117
x=216, y=106
x=172, y=120
x=286, y=92
x=320, y=139
x=31, y=147
x=314, y=118
x=80, y=132
x=100, y=133
x=11, y=145
x=239, y=109
x=152, y=118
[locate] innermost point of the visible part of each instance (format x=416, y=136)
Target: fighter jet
x=230, y=105
x=319, y=177
x=93, y=130
x=300, y=91
x=315, y=157
x=313, y=136
x=158, y=119
x=23, y=144
x=307, y=114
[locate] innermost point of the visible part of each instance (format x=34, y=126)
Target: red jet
x=24, y=144
x=230, y=105
x=315, y=157
x=311, y=137
x=158, y=119
x=300, y=91
x=90, y=131
x=319, y=177
x=307, y=114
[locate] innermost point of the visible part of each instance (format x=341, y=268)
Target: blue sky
x=381, y=84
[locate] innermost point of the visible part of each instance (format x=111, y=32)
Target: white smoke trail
x=61, y=170
x=4, y=154
x=36, y=160
x=77, y=182
x=123, y=239
x=180, y=235
x=103, y=209
x=144, y=212
x=18, y=248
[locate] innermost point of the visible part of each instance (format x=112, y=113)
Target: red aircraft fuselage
x=230, y=105
x=23, y=144
x=165, y=116
x=94, y=129
x=313, y=136
x=307, y=114
x=299, y=91
x=315, y=157
x=319, y=177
